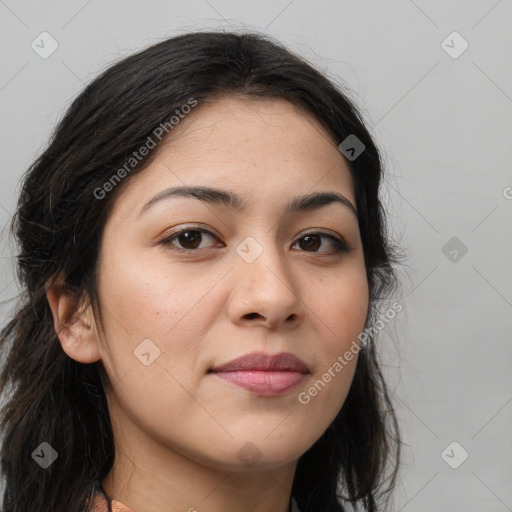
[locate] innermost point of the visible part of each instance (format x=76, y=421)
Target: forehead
x=249, y=145
x=254, y=123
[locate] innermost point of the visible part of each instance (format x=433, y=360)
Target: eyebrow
x=238, y=203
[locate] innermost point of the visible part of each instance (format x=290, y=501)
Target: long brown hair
x=49, y=397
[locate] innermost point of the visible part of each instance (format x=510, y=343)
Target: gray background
x=444, y=125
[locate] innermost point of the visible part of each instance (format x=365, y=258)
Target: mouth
x=264, y=374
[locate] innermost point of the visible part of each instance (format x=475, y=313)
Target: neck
x=150, y=476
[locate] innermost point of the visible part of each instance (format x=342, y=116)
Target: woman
x=203, y=253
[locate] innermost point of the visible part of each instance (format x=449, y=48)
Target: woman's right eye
x=188, y=238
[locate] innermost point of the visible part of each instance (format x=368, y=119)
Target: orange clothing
x=104, y=503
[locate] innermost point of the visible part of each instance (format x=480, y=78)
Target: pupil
x=310, y=241
x=191, y=237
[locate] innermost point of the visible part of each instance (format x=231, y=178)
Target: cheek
x=152, y=311
x=148, y=297
x=340, y=305
x=339, y=316
x=154, y=302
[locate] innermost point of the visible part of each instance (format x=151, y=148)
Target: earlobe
x=74, y=327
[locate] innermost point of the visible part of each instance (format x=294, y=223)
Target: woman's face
x=259, y=273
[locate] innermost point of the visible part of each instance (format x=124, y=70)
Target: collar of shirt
x=104, y=503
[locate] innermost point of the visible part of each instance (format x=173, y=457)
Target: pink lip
x=267, y=375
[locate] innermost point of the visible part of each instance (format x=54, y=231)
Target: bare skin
x=178, y=428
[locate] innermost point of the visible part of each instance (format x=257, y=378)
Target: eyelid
x=184, y=228
x=321, y=231
x=339, y=241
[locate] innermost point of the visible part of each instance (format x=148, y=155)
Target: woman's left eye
x=190, y=239
x=314, y=241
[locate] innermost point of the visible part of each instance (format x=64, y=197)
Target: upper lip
x=283, y=361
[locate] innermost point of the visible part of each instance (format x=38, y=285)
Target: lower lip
x=266, y=383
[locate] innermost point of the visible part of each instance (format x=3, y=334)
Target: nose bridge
x=263, y=284
x=262, y=260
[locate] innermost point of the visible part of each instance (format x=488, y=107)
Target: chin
x=257, y=453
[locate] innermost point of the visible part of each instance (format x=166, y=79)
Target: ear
x=75, y=328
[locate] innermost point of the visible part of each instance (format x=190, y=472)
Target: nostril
x=251, y=316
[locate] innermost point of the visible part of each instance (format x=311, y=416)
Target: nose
x=265, y=292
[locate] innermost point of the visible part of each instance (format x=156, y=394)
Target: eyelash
x=340, y=245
